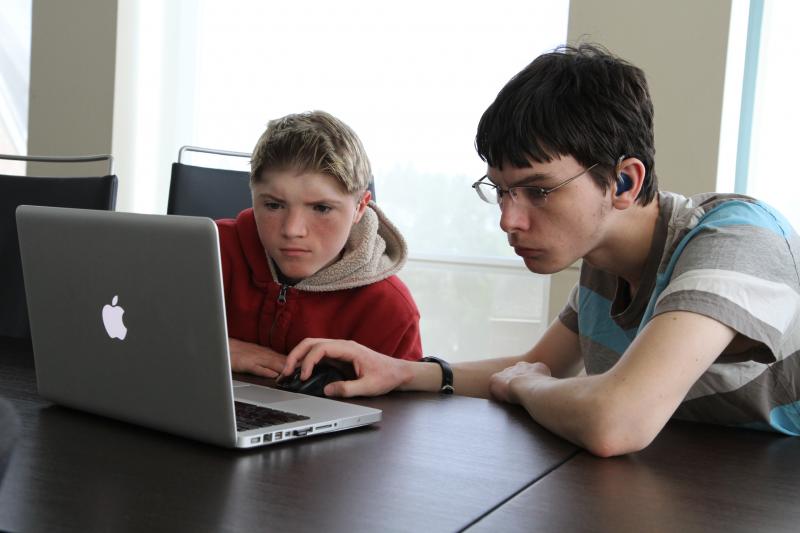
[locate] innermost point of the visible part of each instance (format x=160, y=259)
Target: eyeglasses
x=530, y=195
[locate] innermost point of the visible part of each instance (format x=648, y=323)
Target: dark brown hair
x=578, y=101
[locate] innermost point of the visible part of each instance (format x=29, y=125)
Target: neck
x=624, y=253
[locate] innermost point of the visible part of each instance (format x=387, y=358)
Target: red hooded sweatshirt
x=357, y=298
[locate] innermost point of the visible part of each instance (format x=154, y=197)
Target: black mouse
x=321, y=375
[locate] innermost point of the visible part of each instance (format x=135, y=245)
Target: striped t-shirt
x=727, y=257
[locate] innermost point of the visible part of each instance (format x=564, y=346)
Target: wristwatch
x=447, y=373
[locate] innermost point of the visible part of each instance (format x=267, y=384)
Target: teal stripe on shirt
x=606, y=332
x=730, y=213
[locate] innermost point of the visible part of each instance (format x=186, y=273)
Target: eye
x=272, y=206
x=322, y=208
x=535, y=195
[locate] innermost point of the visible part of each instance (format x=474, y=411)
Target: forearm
x=469, y=379
x=472, y=378
x=558, y=349
x=588, y=412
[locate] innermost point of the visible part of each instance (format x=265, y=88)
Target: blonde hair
x=314, y=141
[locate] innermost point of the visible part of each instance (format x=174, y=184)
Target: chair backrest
x=9, y=433
x=77, y=192
x=211, y=192
x=208, y=192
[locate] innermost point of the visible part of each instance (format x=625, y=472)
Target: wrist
x=523, y=387
x=446, y=372
x=418, y=376
x=407, y=376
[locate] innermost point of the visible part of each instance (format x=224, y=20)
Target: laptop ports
x=301, y=432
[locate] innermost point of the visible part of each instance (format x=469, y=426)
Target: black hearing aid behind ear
x=624, y=183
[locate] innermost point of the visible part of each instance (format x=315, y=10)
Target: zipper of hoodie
x=278, y=311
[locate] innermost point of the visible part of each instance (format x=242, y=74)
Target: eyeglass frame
x=543, y=192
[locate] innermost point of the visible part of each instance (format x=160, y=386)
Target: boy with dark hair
x=313, y=257
x=686, y=307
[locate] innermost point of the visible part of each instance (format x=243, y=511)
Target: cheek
x=333, y=230
x=268, y=225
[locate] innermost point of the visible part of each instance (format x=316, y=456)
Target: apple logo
x=112, y=320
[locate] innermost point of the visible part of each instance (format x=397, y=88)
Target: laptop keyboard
x=249, y=416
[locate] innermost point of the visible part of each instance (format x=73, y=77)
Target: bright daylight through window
x=771, y=174
x=411, y=78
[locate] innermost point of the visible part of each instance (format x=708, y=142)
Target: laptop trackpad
x=256, y=393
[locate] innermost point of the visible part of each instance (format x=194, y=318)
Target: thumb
x=341, y=389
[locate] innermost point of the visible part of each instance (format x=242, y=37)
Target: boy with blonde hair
x=313, y=257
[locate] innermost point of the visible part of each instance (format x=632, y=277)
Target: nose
x=513, y=217
x=294, y=224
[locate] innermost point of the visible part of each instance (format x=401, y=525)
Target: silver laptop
x=128, y=321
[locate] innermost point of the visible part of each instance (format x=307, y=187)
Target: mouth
x=527, y=252
x=294, y=252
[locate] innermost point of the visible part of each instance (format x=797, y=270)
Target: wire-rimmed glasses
x=531, y=195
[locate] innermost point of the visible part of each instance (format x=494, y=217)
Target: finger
x=335, y=389
x=496, y=389
x=347, y=389
x=297, y=354
x=313, y=356
x=263, y=371
x=274, y=363
x=269, y=372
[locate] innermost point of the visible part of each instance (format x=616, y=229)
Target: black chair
x=208, y=192
x=77, y=192
x=9, y=433
x=211, y=192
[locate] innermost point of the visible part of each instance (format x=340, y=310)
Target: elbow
x=605, y=446
x=612, y=434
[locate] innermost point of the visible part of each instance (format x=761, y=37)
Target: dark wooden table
x=693, y=477
x=434, y=463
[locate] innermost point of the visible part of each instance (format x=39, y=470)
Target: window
x=15, y=55
x=412, y=79
x=769, y=165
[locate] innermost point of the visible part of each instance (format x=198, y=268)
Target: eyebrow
x=330, y=201
x=531, y=179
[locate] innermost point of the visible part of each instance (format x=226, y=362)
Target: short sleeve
x=569, y=314
x=740, y=271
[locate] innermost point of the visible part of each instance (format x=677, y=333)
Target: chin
x=293, y=272
x=543, y=266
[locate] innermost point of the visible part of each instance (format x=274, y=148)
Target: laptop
x=128, y=321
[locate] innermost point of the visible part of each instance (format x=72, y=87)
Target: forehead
x=293, y=181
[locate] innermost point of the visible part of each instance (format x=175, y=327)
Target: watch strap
x=447, y=374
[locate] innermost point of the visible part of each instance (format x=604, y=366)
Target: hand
x=504, y=385
x=255, y=359
x=375, y=373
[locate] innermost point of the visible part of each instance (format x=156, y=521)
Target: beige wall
x=682, y=47
x=72, y=82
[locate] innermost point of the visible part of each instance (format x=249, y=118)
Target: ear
x=362, y=206
x=630, y=179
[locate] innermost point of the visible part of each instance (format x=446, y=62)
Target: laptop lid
x=128, y=321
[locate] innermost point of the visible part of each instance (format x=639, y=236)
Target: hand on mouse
x=255, y=359
x=375, y=373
